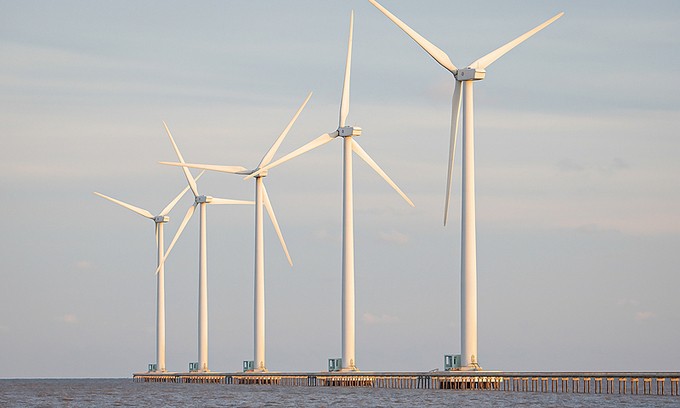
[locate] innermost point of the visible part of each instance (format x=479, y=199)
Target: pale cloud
x=394, y=237
x=68, y=318
x=372, y=319
x=84, y=265
x=612, y=211
x=594, y=229
x=570, y=165
x=615, y=164
x=324, y=235
x=619, y=164
x=605, y=123
x=629, y=302
x=634, y=304
x=640, y=316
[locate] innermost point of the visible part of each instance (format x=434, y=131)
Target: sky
x=577, y=172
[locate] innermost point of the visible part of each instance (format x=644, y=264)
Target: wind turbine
x=158, y=220
x=261, y=200
x=464, y=79
x=201, y=201
x=349, y=145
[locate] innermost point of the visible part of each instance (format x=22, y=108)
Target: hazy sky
x=578, y=183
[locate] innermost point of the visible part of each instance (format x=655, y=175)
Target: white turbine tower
x=201, y=201
x=159, y=220
x=349, y=145
x=261, y=201
x=464, y=78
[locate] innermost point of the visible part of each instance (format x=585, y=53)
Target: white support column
x=160, y=303
x=468, y=277
x=348, y=356
x=203, y=293
x=259, y=334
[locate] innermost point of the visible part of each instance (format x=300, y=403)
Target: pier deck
x=646, y=383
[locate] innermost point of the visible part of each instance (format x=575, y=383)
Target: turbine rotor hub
x=161, y=219
x=203, y=199
x=470, y=74
x=349, y=131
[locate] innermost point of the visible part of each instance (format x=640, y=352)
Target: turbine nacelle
x=203, y=199
x=346, y=131
x=470, y=74
x=161, y=219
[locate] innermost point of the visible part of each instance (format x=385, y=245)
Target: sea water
x=126, y=393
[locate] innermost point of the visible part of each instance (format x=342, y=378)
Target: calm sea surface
x=125, y=393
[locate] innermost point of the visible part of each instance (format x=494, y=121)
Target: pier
x=643, y=383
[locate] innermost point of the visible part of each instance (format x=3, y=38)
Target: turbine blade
x=361, y=153
x=489, y=58
x=186, y=219
x=156, y=233
x=174, y=202
x=140, y=211
x=439, y=55
x=455, y=116
x=216, y=200
x=272, y=217
x=319, y=141
x=272, y=150
x=344, y=101
x=187, y=174
x=211, y=167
